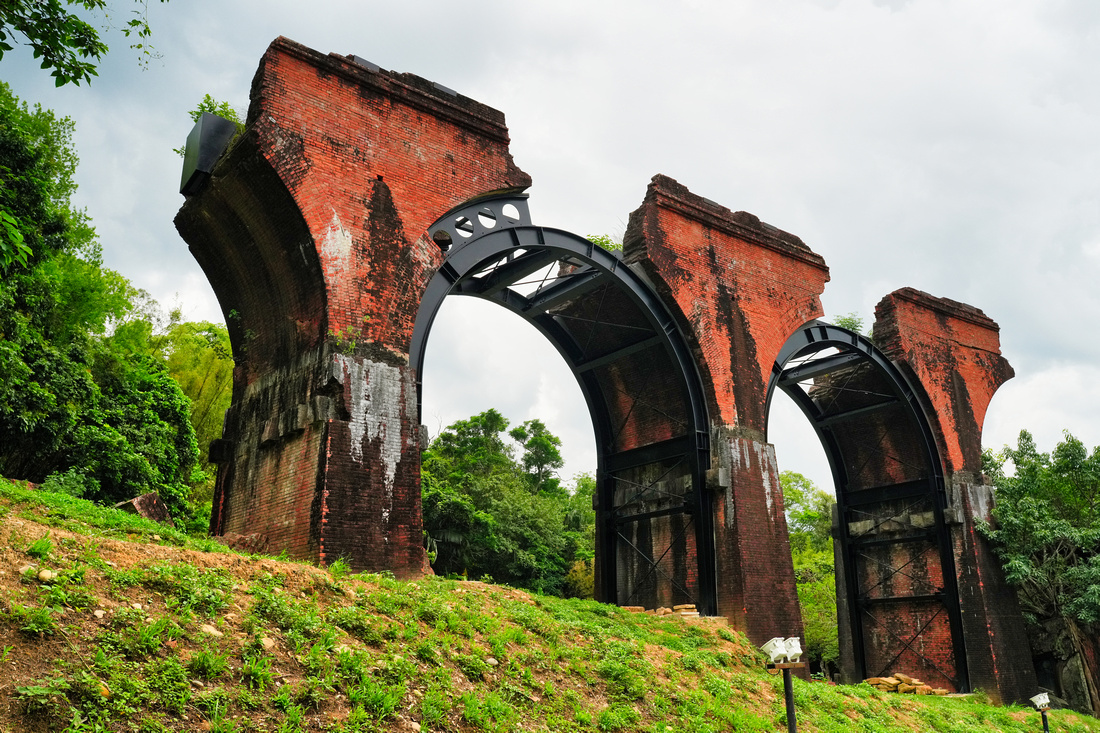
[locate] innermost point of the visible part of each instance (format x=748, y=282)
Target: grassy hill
x=112, y=623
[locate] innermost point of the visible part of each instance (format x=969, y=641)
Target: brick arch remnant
x=314, y=231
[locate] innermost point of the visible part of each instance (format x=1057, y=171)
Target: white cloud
x=945, y=145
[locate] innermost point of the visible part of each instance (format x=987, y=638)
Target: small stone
x=491, y=662
x=148, y=619
x=99, y=613
x=110, y=564
x=26, y=569
x=156, y=538
x=135, y=606
x=267, y=643
x=46, y=575
x=208, y=629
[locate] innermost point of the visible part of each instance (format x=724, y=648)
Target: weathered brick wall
x=953, y=351
x=739, y=288
x=311, y=231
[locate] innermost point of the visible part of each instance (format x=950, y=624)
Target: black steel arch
x=889, y=483
x=606, y=322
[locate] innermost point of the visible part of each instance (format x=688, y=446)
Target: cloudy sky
x=948, y=145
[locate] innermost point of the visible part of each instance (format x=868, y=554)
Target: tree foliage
x=82, y=386
x=1046, y=530
x=69, y=46
x=489, y=513
x=215, y=107
x=1047, y=526
x=809, y=523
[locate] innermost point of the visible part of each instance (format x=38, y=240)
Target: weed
x=34, y=621
x=41, y=697
x=214, y=701
x=141, y=639
x=357, y=622
x=434, y=708
x=206, y=664
x=377, y=698
x=246, y=699
x=168, y=681
x=471, y=665
x=351, y=665
x=425, y=651
x=256, y=672
x=41, y=548
x=396, y=670
x=60, y=592
x=293, y=721
x=624, y=668
x=318, y=660
x=617, y=717
x=339, y=569
x=187, y=588
x=489, y=712
x=312, y=693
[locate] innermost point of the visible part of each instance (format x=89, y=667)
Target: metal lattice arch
x=315, y=229
x=637, y=376
x=891, y=502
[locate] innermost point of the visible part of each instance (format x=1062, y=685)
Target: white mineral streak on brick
x=769, y=472
x=375, y=403
x=336, y=248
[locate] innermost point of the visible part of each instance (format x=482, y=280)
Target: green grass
x=192, y=639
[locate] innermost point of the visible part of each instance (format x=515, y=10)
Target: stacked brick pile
x=904, y=684
x=687, y=610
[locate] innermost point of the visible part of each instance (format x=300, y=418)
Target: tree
x=808, y=510
x=69, y=46
x=809, y=522
x=854, y=322
x=37, y=163
x=81, y=385
x=487, y=513
x=541, y=456
x=1046, y=530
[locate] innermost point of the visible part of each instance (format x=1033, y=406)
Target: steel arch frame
x=853, y=348
x=478, y=234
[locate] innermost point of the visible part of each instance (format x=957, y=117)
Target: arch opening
x=479, y=356
x=654, y=534
x=897, y=588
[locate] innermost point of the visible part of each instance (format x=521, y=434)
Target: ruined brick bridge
x=358, y=198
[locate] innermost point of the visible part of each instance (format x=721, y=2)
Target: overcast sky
x=948, y=145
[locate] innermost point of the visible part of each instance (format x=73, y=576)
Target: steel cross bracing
x=606, y=322
x=872, y=427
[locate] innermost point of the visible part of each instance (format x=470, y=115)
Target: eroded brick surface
x=739, y=288
x=953, y=351
x=311, y=231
